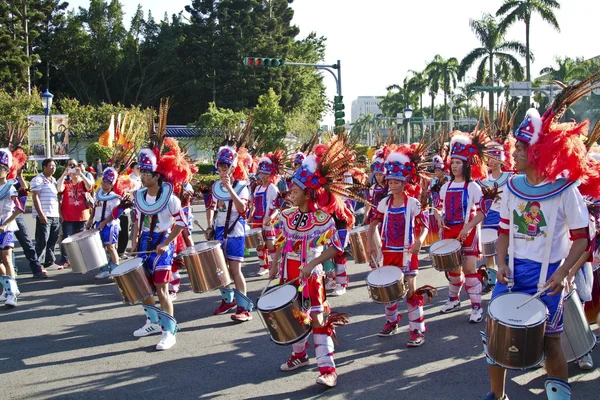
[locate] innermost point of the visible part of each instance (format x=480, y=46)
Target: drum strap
x=229, y=228
x=554, y=204
x=153, y=221
x=103, y=209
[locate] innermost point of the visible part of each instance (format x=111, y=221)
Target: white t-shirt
x=221, y=207
x=530, y=226
x=110, y=206
x=474, y=194
x=46, y=189
x=168, y=216
x=503, y=189
x=270, y=193
x=7, y=207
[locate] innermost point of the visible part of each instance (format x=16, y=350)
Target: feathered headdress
x=18, y=159
x=473, y=149
x=548, y=138
x=322, y=174
x=590, y=180
x=502, y=143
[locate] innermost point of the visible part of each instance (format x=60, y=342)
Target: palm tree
x=569, y=71
x=363, y=125
x=495, y=48
x=417, y=84
x=441, y=74
x=522, y=10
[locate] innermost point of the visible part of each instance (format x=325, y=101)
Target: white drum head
x=385, y=275
x=360, y=229
x=253, y=231
x=127, y=266
x=80, y=235
x=201, y=247
x=489, y=235
x=504, y=309
x=445, y=246
x=277, y=297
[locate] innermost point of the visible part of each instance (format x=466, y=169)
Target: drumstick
x=199, y=226
x=277, y=288
x=441, y=247
x=535, y=296
x=139, y=252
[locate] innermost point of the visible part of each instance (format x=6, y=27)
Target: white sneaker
x=586, y=363
x=148, y=329
x=330, y=285
x=102, y=275
x=166, y=342
x=173, y=296
x=339, y=290
x=476, y=315
x=262, y=272
x=450, y=306
x=11, y=301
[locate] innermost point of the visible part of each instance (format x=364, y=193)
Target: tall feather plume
x=569, y=96
x=593, y=136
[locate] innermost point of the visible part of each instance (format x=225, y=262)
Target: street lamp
x=451, y=105
x=408, y=115
x=47, y=104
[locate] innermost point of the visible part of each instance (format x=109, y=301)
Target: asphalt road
x=71, y=337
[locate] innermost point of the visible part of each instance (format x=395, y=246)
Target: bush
x=97, y=151
x=205, y=169
x=204, y=182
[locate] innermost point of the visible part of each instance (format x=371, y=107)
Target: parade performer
x=108, y=207
x=158, y=219
x=543, y=227
x=230, y=200
x=10, y=208
x=309, y=238
x=378, y=189
x=264, y=204
x=184, y=240
x=399, y=214
x=461, y=213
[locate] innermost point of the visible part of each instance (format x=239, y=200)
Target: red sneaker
x=295, y=362
x=241, y=315
x=416, y=339
x=329, y=379
x=224, y=307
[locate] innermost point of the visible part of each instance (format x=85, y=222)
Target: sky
x=379, y=41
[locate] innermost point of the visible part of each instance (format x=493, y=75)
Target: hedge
x=205, y=169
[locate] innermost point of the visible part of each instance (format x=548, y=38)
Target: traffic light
x=262, y=62
x=339, y=114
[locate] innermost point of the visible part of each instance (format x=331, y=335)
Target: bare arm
x=60, y=184
x=136, y=234
x=38, y=205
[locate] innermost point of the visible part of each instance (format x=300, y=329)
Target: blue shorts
x=110, y=233
x=527, y=274
x=151, y=263
x=232, y=246
x=7, y=240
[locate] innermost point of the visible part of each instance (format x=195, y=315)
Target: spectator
x=99, y=168
x=45, y=211
x=135, y=175
x=23, y=236
x=87, y=173
x=75, y=203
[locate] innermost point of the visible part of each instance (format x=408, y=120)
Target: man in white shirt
x=45, y=212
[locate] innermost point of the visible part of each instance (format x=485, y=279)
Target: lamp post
x=408, y=114
x=47, y=104
x=451, y=105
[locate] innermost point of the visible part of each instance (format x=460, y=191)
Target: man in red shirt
x=73, y=186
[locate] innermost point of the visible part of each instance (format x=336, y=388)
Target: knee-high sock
x=151, y=313
x=473, y=287
x=416, y=318
x=263, y=260
x=167, y=322
x=10, y=285
x=175, y=283
x=324, y=349
x=227, y=295
x=557, y=389
x=455, y=285
x=242, y=300
x=299, y=348
x=391, y=312
x=341, y=277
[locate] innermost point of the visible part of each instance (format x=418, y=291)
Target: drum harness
x=150, y=246
x=407, y=224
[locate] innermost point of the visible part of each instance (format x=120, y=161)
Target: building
x=365, y=105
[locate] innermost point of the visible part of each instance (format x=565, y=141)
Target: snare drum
x=515, y=337
x=433, y=234
x=133, y=281
x=281, y=310
x=386, y=284
x=85, y=251
x=358, y=243
x=446, y=255
x=206, y=266
x=592, y=307
x=489, y=239
x=254, y=238
x=577, y=339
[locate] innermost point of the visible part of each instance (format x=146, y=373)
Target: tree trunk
x=432, y=107
x=492, y=93
x=526, y=99
x=26, y=29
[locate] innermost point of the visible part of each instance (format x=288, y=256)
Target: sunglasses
x=72, y=165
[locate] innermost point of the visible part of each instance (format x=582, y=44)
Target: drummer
x=10, y=208
x=305, y=231
x=230, y=200
x=263, y=201
x=379, y=187
x=156, y=211
x=541, y=220
x=184, y=240
x=398, y=247
x=458, y=216
x=105, y=218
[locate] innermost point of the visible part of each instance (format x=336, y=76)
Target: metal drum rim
x=78, y=239
x=360, y=229
x=129, y=270
x=280, y=307
x=508, y=325
x=299, y=338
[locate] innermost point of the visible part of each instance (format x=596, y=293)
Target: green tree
x=442, y=74
x=522, y=10
x=494, y=48
x=568, y=70
x=268, y=121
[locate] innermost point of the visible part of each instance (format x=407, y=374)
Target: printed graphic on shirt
x=221, y=206
x=529, y=221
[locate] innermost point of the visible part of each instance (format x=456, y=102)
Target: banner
x=59, y=132
x=37, y=137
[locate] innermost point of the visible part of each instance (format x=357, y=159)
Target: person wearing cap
x=158, y=220
x=105, y=218
x=230, y=200
x=460, y=214
x=10, y=208
x=543, y=232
